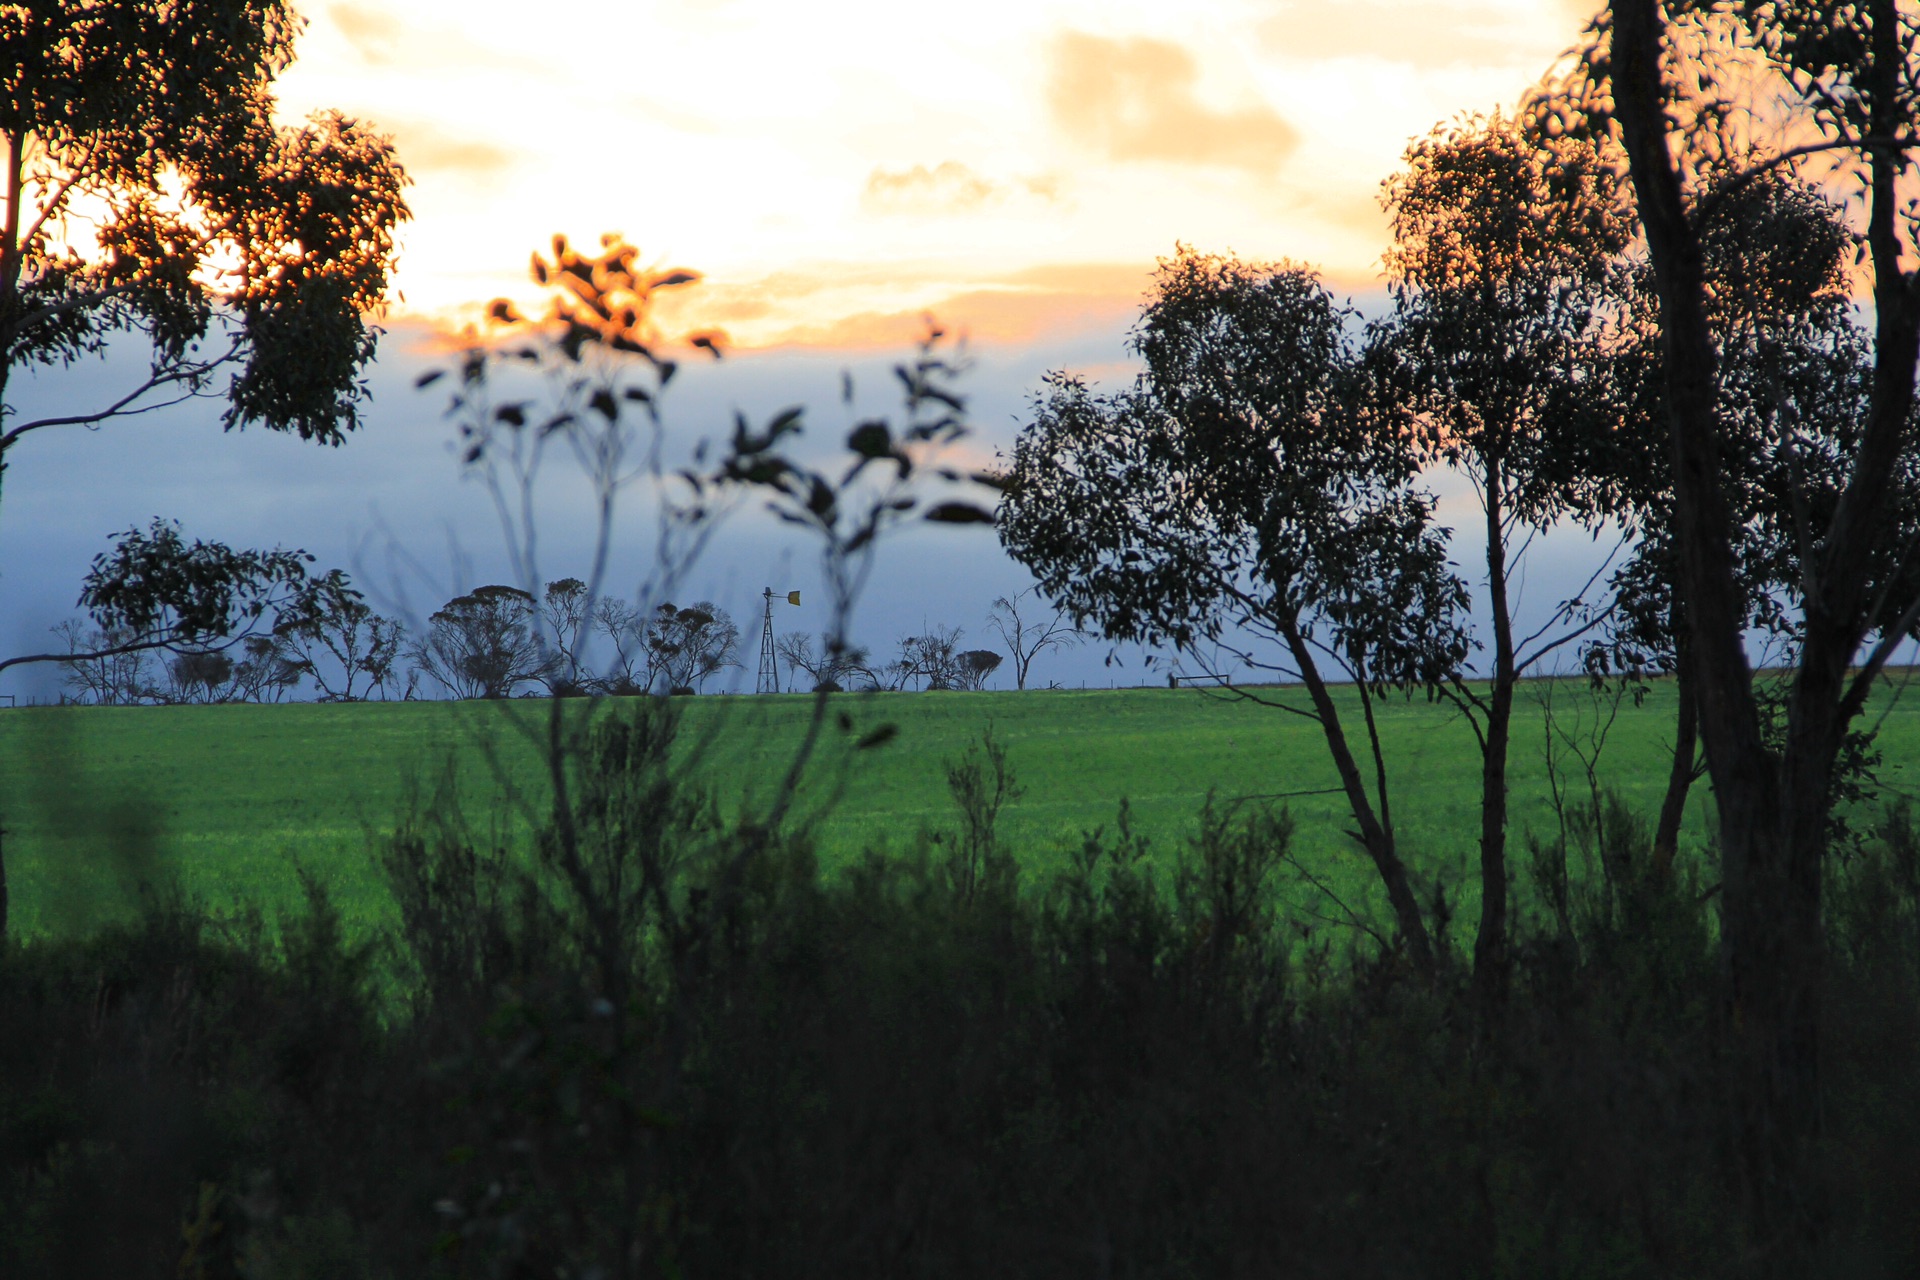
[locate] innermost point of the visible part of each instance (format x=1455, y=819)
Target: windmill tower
x=769, y=681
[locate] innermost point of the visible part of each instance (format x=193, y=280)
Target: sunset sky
x=836, y=170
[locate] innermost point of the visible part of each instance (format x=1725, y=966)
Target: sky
x=835, y=171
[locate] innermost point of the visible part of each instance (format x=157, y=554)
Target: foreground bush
x=658, y=1044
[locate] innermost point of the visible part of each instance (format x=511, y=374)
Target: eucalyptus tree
x=1244, y=485
x=1793, y=378
x=827, y=668
x=1029, y=637
x=685, y=646
x=483, y=644
x=339, y=640
x=149, y=192
x=1847, y=74
x=1503, y=270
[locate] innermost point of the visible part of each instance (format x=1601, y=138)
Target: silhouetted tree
x=931, y=660
x=339, y=640
x=149, y=191
x=100, y=669
x=975, y=665
x=199, y=677
x=1502, y=271
x=1794, y=377
x=825, y=669
x=156, y=592
x=481, y=645
x=1028, y=638
x=1849, y=71
x=1242, y=483
x=565, y=622
x=624, y=627
x=684, y=647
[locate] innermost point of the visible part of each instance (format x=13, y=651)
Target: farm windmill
x=769, y=681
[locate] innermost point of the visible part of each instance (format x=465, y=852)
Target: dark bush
x=659, y=1042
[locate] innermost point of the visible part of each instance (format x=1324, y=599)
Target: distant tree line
x=319, y=638
x=158, y=632
x=324, y=639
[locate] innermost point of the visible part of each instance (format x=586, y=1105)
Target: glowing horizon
x=836, y=172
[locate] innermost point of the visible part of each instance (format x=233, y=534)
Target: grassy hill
x=230, y=800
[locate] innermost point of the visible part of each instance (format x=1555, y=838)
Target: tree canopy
x=1243, y=485
x=150, y=191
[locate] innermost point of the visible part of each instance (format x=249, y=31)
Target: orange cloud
x=1020, y=307
x=426, y=147
x=948, y=187
x=860, y=307
x=1136, y=100
x=374, y=35
x=1425, y=35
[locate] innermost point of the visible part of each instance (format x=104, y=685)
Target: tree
x=685, y=646
x=975, y=666
x=565, y=622
x=1026, y=639
x=1848, y=71
x=825, y=669
x=266, y=671
x=624, y=626
x=156, y=592
x=482, y=645
x=932, y=659
x=100, y=668
x=149, y=192
x=1243, y=486
x=198, y=677
x=1794, y=375
x=1501, y=271
x=339, y=640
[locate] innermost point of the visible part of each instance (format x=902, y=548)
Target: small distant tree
x=100, y=668
x=482, y=645
x=1045, y=627
x=266, y=671
x=340, y=641
x=199, y=678
x=825, y=669
x=931, y=660
x=685, y=646
x=624, y=627
x=975, y=666
x=565, y=623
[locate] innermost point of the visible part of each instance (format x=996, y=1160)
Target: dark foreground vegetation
x=658, y=1044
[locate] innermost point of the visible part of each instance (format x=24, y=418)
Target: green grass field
x=228, y=800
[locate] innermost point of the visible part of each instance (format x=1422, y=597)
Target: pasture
x=227, y=801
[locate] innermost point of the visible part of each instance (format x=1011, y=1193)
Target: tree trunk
x=1490, y=944
x=1681, y=773
x=1373, y=835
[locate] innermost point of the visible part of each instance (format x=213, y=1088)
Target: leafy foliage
x=685, y=646
x=482, y=644
x=152, y=192
x=338, y=639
